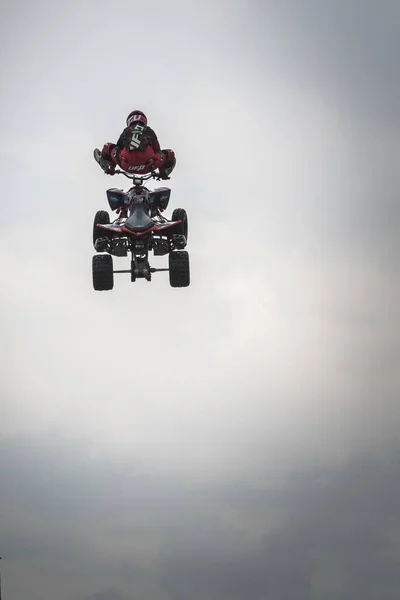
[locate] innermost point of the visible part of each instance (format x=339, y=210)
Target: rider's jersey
x=138, y=138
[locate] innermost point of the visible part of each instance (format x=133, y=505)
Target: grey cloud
x=341, y=59
x=109, y=594
x=330, y=533
x=345, y=49
x=337, y=540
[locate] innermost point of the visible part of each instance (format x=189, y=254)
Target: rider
x=137, y=150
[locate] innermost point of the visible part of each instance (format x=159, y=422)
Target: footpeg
x=101, y=244
x=179, y=241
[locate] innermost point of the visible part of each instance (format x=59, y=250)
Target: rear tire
x=180, y=214
x=101, y=218
x=102, y=271
x=179, y=270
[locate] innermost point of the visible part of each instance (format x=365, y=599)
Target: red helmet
x=136, y=116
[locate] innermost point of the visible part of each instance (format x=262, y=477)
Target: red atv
x=140, y=228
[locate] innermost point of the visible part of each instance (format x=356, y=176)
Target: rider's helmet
x=136, y=116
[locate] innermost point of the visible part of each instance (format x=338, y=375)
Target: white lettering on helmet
x=135, y=117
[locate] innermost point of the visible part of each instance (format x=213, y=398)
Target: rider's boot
x=169, y=164
x=107, y=165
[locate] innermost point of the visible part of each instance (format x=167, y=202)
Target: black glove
x=162, y=174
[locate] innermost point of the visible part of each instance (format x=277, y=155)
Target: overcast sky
x=237, y=439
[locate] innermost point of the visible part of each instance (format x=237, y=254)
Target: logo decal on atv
x=136, y=137
x=138, y=168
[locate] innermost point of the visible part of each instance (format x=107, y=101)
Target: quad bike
x=139, y=229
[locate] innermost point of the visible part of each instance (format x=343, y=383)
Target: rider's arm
x=153, y=141
x=123, y=139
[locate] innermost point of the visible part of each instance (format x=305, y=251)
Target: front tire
x=102, y=271
x=101, y=218
x=179, y=270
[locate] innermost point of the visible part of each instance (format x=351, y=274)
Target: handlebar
x=139, y=179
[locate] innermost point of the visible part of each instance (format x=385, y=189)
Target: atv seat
x=138, y=220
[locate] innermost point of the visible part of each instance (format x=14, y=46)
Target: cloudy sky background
x=239, y=438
